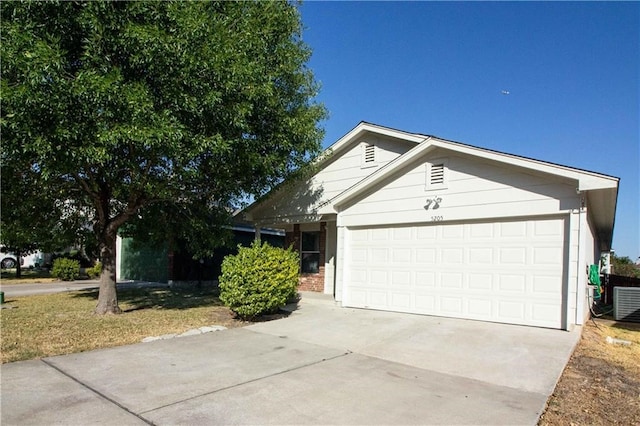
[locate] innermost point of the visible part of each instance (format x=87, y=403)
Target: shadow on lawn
x=134, y=299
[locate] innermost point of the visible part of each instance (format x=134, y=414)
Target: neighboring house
x=156, y=263
x=412, y=223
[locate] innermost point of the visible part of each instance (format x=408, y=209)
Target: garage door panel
x=401, y=234
x=548, y=228
x=453, y=232
x=452, y=280
x=481, y=256
x=481, y=282
x=512, y=284
x=378, y=299
x=425, y=303
x=547, y=255
x=513, y=230
x=379, y=277
x=425, y=279
x=358, y=297
x=451, y=305
x=380, y=255
x=541, y=312
x=426, y=233
x=513, y=256
x=380, y=234
x=454, y=255
x=513, y=310
x=546, y=285
x=426, y=256
x=508, y=272
x=401, y=278
x=402, y=255
x=401, y=301
x=480, y=308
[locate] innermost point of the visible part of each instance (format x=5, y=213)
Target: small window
x=436, y=174
x=368, y=155
x=310, y=253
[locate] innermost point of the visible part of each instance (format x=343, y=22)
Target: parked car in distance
x=10, y=260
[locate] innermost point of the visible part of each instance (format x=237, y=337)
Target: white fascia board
x=343, y=143
x=586, y=180
x=381, y=174
x=364, y=127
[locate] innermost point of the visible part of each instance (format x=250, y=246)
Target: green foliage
x=159, y=115
x=260, y=279
x=624, y=266
x=94, y=271
x=66, y=269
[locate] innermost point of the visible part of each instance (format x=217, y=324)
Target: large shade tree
x=32, y=219
x=123, y=109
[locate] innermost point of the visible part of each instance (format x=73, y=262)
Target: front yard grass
x=56, y=324
x=29, y=276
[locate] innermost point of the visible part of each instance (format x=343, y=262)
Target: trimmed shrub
x=66, y=269
x=259, y=279
x=94, y=271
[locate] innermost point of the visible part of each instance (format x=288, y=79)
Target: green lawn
x=29, y=276
x=63, y=323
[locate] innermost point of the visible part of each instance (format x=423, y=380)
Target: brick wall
x=309, y=282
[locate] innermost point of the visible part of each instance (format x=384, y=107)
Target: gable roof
x=364, y=127
x=334, y=151
x=602, y=189
x=586, y=180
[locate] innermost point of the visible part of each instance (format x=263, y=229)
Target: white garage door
x=508, y=272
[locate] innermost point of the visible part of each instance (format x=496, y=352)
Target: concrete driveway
x=321, y=365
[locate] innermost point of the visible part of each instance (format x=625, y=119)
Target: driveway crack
x=347, y=352
x=100, y=394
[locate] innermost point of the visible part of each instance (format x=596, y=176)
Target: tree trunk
x=18, y=265
x=108, y=297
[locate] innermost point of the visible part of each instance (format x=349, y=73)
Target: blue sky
x=439, y=68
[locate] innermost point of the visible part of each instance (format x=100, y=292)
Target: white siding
x=311, y=197
x=475, y=190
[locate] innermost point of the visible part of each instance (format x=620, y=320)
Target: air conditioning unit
x=626, y=304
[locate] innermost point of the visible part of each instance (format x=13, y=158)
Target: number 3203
x=436, y=218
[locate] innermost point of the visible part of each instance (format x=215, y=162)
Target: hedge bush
x=259, y=279
x=94, y=271
x=66, y=269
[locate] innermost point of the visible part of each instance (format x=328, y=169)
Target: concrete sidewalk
x=321, y=365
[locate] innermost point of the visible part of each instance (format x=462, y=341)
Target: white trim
x=585, y=180
x=330, y=255
x=363, y=128
x=581, y=289
x=341, y=258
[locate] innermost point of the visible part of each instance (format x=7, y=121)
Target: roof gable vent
x=368, y=155
x=436, y=174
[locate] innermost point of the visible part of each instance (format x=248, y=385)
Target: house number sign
x=433, y=203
